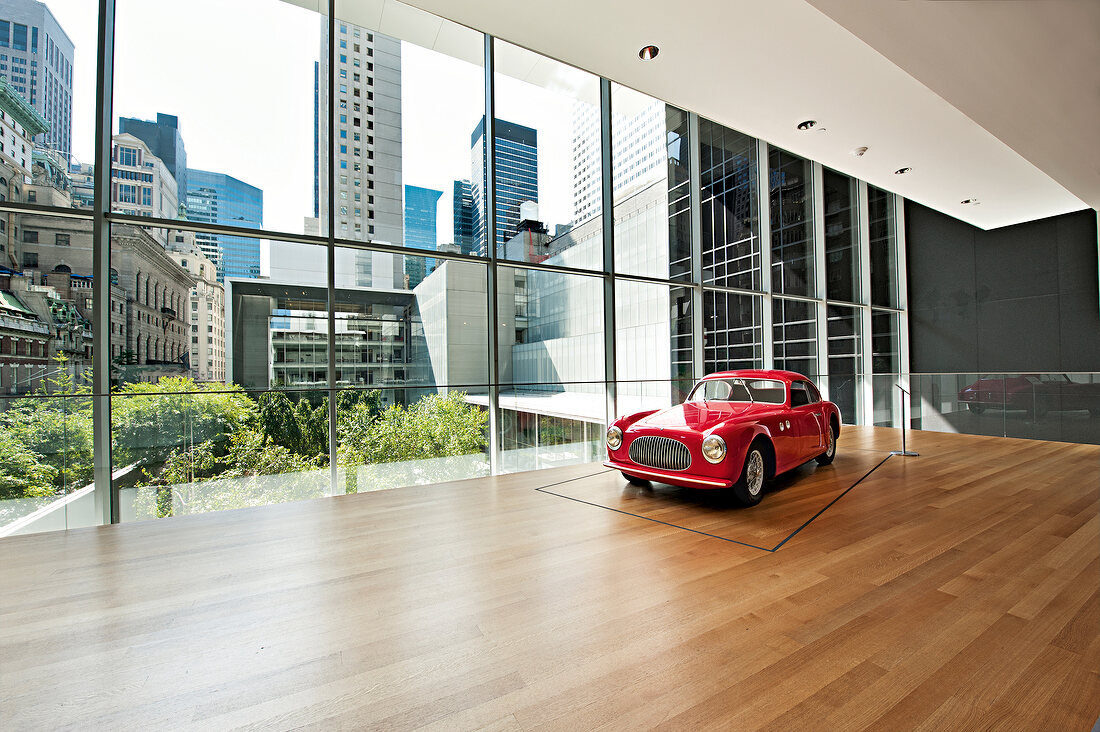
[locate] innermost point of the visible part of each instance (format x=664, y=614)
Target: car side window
x=799, y=396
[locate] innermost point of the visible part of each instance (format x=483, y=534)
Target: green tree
x=23, y=474
x=55, y=425
x=151, y=421
x=435, y=426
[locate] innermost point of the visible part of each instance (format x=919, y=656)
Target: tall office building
x=421, y=205
x=465, y=230
x=36, y=57
x=517, y=177
x=164, y=140
x=367, y=179
x=217, y=198
x=638, y=132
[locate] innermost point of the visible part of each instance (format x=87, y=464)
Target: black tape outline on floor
x=543, y=489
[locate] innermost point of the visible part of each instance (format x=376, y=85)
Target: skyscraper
x=421, y=205
x=217, y=198
x=164, y=140
x=517, y=177
x=36, y=57
x=465, y=216
x=367, y=177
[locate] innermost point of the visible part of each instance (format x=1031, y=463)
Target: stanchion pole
x=904, y=422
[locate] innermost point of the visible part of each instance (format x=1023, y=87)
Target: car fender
x=629, y=419
x=738, y=437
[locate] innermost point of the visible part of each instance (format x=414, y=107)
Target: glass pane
x=651, y=320
x=794, y=334
x=431, y=335
x=388, y=438
x=841, y=237
x=535, y=432
x=730, y=207
x=553, y=333
x=46, y=468
x=732, y=331
x=548, y=169
x=880, y=207
x=409, y=91
x=885, y=365
x=650, y=154
x=791, y=203
x=173, y=116
x=638, y=396
x=49, y=99
x=182, y=448
x=844, y=360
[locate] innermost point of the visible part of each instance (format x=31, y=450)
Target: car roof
x=787, y=376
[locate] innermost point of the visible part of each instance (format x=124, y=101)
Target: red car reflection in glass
x=736, y=430
x=1036, y=394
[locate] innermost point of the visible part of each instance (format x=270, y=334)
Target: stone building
x=206, y=309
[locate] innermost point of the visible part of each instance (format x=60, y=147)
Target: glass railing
x=1062, y=406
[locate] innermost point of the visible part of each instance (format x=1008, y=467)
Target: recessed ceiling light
x=859, y=152
x=902, y=171
x=807, y=125
x=970, y=202
x=648, y=53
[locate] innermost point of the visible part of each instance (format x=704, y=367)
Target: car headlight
x=614, y=437
x=714, y=448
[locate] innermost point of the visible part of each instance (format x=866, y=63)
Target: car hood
x=702, y=416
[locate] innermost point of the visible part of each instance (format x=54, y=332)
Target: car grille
x=660, y=452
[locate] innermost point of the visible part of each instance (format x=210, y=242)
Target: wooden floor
x=958, y=590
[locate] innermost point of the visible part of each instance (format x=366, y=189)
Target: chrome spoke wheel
x=754, y=473
x=830, y=445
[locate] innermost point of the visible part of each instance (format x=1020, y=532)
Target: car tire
x=749, y=488
x=975, y=408
x=826, y=458
x=635, y=480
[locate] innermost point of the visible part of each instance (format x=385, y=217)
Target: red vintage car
x=1035, y=394
x=736, y=430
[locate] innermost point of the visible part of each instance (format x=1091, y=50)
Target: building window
x=61, y=240
x=30, y=237
x=30, y=260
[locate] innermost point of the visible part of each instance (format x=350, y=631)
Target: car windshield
x=766, y=391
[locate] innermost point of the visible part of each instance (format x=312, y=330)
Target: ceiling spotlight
x=859, y=152
x=807, y=125
x=970, y=202
x=902, y=171
x=648, y=53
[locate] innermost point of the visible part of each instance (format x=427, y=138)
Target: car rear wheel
x=830, y=449
x=749, y=488
x=635, y=480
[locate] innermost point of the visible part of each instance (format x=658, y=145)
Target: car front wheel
x=749, y=488
x=635, y=480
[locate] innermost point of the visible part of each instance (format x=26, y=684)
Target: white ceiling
x=990, y=100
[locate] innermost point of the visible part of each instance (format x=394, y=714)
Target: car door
x=808, y=419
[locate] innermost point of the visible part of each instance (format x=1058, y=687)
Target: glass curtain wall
x=293, y=287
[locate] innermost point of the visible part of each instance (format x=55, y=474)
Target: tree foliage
x=207, y=446
x=435, y=426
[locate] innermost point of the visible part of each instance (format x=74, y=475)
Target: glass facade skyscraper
x=217, y=198
x=517, y=176
x=420, y=229
x=465, y=216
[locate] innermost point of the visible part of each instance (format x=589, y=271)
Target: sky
x=239, y=75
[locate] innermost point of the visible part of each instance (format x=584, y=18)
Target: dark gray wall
x=1018, y=298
